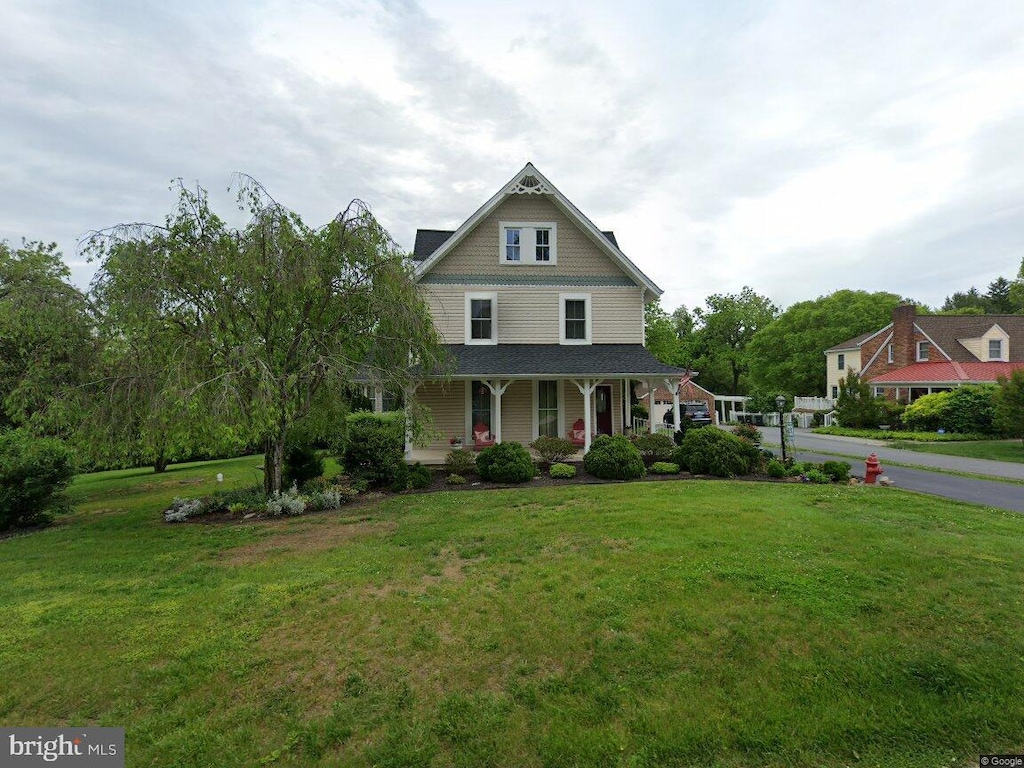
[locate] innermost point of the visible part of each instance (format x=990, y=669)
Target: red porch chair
x=578, y=433
x=482, y=437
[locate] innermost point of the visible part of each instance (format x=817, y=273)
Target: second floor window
x=923, y=349
x=995, y=349
x=842, y=362
x=513, y=244
x=574, y=316
x=481, y=318
x=543, y=244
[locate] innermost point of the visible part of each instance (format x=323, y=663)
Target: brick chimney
x=903, y=351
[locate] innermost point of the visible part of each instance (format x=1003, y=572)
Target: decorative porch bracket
x=587, y=387
x=497, y=389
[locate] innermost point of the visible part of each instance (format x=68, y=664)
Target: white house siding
x=529, y=315
x=833, y=374
x=446, y=402
x=478, y=253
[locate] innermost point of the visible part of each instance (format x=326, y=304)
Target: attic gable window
x=995, y=349
x=923, y=348
x=528, y=243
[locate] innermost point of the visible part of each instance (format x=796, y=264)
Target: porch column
x=497, y=389
x=586, y=388
x=627, y=417
x=378, y=400
x=673, y=387
x=409, y=391
x=650, y=406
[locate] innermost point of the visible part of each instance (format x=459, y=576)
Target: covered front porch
x=523, y=391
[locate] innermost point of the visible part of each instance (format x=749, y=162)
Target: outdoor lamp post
x=780, y=404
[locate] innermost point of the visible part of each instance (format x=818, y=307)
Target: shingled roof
x=945, y=330
x=557, y=360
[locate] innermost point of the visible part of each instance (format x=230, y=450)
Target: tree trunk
x=160, y=463
x=273, y=463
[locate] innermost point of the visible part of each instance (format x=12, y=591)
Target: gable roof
x=855, y=342
x=529, y=181
x=947, y=330
x=947, y=373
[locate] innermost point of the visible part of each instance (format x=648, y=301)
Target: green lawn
x=996, y=450
x=689, y=623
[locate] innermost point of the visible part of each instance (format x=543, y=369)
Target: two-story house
x=916, y=355
x=543, y=317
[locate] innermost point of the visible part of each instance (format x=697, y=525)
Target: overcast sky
x=796, y=147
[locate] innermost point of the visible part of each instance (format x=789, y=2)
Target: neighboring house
x=543, y=317
x=916, y=355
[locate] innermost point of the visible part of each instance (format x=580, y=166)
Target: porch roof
x=557, y=361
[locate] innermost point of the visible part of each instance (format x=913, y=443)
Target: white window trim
x=528, y=242
x=493, y=296
x=536, y=407
x=562, y=298
x=918, y=357
x=1001, y=356
x=841, y=362
x=890, y=354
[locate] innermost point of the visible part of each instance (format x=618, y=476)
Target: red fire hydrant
x=872, y=469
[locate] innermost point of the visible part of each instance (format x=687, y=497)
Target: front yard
x=677, y=623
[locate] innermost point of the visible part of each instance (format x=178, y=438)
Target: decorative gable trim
x=530, y=181
x=884, y=345
x=931, y=341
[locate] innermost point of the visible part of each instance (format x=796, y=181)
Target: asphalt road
x=931, y=472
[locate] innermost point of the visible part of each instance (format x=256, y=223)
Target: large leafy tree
x=48, y=347
x=788, y=355
x=257, y=325
x=719, y=344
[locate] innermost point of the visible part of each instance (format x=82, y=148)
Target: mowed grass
x=688, y=623
x=995, y=450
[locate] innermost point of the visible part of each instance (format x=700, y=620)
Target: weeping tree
x=249, y=329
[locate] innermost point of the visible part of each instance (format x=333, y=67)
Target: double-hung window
x=524, y=243
x=995, y=349
x=842, y=362
x=574, y=318
x=481, y=318
x=547, y=409
x=923, y=349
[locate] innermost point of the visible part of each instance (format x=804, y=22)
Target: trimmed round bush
x=817, y=476
x=614, y=458
x=302, y=463
x=506, y=463
x=837, y=470
x=460, y=463
x=454, y=479
x=775, y=468
x=562, y=471
x=654, y=447
x=375, y=448
x=664, y=468
x=417, y=476
x=718, y=453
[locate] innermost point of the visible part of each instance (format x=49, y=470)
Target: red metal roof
x=947, y=373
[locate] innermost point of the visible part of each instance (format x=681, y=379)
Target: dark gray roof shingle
x=556, y=360
x=946, y=330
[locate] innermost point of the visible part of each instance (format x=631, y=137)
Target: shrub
x=287, y=503
x=33, y=475
x=251, y=499
x=321, y=500
x=614, y=458
x=375, y=447
x=1010, y=405
x=748, y=432
x=417, y=476
x=182, y=509
x=664, y=468
x=837, y=470
x=855, y=406
x=775, y=468
x=639, y=411
x=972, y=408
x=714, y=452
x=460, y=463
x=890, y=413
x=654, y=447
x=454, y=479
x=301, y=463
x=553, y=449
x=928, y=413
x=506, y=463
x=817, y=476
x=562, y=471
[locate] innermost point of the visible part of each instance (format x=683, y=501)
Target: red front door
x=603, y=405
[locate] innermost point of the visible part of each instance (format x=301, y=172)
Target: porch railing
x=642, y=426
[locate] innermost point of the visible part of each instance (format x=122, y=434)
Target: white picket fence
x=813, y=404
